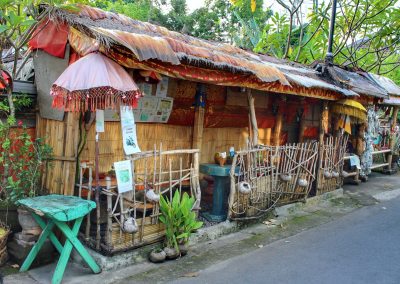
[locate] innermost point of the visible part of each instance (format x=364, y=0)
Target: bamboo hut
x=222, y=97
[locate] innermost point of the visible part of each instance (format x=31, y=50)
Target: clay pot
x=130, y=226
x=152, y=196
x=157, y=256
x=327, y=174
x=285, y=177
x=171, y=253
x=244, y=187
x=302, y=182
x=28, y=224
x=220, y=158
x=335, y=174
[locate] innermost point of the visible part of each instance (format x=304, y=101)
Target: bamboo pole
x=253, y=119
x=198, y=126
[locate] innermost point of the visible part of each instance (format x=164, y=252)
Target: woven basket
x=3, y=256
x=3, y=244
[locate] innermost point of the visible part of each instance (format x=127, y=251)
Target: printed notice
x=129, y=137
x=123, y=172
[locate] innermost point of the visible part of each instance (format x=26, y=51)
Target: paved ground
x=362, y=247
x=350, y=239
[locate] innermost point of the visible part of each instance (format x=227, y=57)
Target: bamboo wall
x=221, y=139
x=63, y=137
x=171, y=137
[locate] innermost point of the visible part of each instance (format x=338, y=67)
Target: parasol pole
x=97, y=191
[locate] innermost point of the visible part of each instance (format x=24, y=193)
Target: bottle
x=231, y=152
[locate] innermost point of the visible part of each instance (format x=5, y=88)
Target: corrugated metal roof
x=387, y=84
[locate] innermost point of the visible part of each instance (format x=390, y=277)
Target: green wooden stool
x=58, y=210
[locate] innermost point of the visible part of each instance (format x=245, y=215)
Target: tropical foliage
x=179, y=219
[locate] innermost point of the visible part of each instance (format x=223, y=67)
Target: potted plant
x=180, y=221
x=188, y=224
x=22, y=159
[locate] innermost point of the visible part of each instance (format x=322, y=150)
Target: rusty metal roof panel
x=387, y=84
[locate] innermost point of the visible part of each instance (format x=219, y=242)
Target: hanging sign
x=99, y=120
x=123, y=172
x=129, y=137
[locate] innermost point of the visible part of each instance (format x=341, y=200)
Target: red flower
x=20, y=123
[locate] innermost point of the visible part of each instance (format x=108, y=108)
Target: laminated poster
x=123, y=171
x=99, y=120
x=129, y=137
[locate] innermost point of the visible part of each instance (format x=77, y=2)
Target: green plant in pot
x=22, y=160
x=188, y=224
x=180, y=222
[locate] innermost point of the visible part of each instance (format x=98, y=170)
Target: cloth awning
x=351, y=108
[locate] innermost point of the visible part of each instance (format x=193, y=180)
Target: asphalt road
x=362, y=247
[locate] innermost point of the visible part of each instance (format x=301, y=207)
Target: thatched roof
x=154, y=45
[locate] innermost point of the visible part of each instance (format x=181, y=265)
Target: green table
x=56, y=210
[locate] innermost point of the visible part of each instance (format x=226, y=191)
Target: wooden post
x=392, y=140
x=324, y=120
x=253, y=118
x=198, y=126
x=302, y=121
x=268, y=136
x=278, y=128
x=302, y=127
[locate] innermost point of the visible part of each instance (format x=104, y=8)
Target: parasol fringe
x=95, y=98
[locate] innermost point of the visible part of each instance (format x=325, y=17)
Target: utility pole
x=329, y=54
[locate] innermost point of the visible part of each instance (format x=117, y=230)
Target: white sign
x=99, y=120
x=129, y=138
x=123, y=171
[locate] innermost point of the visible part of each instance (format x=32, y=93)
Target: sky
x=194, y=4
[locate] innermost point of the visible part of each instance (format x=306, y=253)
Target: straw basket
x=4, y=232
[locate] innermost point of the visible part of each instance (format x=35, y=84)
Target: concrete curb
x=140, y=255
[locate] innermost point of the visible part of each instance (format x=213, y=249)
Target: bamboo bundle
x=331, y=163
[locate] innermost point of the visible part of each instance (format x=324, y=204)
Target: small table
x=58, y=210
x=221, y=185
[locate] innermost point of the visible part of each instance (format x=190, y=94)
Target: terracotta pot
x=171, y=253
x=157, y=256
x=28, y=224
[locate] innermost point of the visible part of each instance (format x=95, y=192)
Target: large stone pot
x=28, y=224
